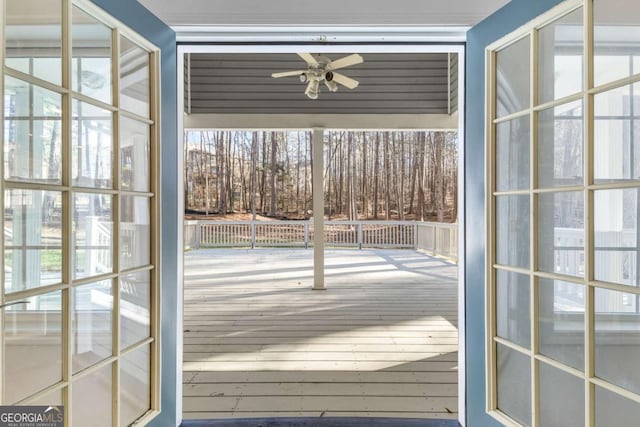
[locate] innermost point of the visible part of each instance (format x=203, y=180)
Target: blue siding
x=502, y=22
x=134, y=15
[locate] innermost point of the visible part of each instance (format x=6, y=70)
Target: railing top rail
x=329, y=222
x=276, y=222
x=374, y=222
x=451, y=225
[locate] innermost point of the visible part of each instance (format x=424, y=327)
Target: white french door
x=80, y=289
x=563, y=173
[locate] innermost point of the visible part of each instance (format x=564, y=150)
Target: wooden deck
x=258, y=342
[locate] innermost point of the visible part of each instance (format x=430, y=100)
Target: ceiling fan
x=322, y=69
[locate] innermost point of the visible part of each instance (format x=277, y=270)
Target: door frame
x=371, y=45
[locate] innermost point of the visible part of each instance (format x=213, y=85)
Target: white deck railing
x=438, y=238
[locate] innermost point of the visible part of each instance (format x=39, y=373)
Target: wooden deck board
x=381, y=341
x=322, y=403
x=436, y=372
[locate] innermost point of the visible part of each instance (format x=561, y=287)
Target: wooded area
x=368, y=175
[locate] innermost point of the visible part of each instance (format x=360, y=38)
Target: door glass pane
x=50, y=399
x=92, y=153
x=560, y=146
x=33, y=38
x=135, y=302
x=134, y=155
x=512, y=230
x=91, y=320
x=135, y=380
x=20, y=64
x=32, y=346
x=616, y=236
x=92, y=399
x=560, y=49
x=92, y=234
x=513, y=71
x=618, y=338
x=561, y=321
x=514, y=384
x=617, y=134
x=134, y=78
x=134, y=231
x=561, y=398
x=615, y=410
x=33, y=239
x=91, y=64
x=513, y=307
x=32, y=132
x=561, y=233
x=616, y=38
x=512, y=154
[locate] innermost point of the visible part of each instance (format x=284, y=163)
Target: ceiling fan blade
x=347, y=61
x=345, y=81
x=309, y=59
x=288, y=73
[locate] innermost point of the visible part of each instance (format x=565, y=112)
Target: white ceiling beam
x=326, y=121
x=267, y=34
x=350, y=13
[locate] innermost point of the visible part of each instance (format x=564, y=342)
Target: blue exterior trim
x=501, y=23
x=139, y=19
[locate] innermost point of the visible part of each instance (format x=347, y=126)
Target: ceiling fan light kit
x=322, y=69
x=313, y=88
x=331, y=85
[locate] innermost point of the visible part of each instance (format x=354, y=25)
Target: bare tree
x=376, y=176
x=222, y=201
x=274, y=173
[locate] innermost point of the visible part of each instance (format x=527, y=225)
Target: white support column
x=317, y=146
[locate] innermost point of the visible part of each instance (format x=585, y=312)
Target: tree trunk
x=274, y=172
x=222, y=206
x=439, y=179
x=263, y=174
x=376, y=177
x=254, y=166
x=413, y=174
x=421, y=176
x=229, y=175
x=387, y=169
x=363, y=180
x=352, y=210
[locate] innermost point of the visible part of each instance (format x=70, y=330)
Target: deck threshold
x=321, y=422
